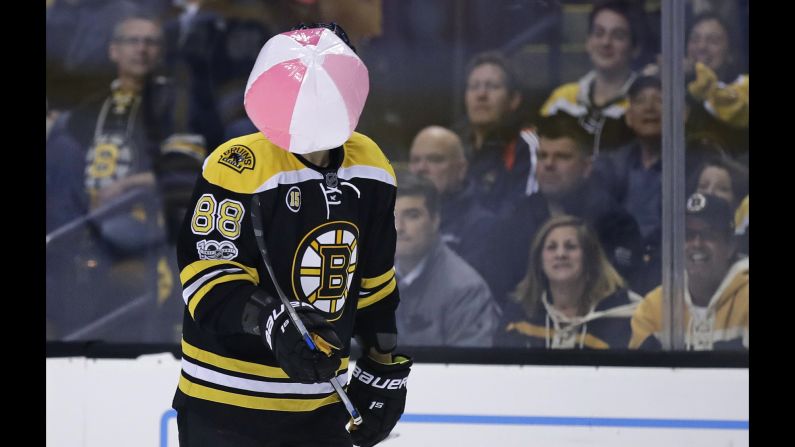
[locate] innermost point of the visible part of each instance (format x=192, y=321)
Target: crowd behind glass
x=527, y=216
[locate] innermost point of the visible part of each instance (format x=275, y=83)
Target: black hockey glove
x=290, y=349
x=378, y=391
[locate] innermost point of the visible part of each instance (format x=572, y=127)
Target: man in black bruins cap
x=716, y=284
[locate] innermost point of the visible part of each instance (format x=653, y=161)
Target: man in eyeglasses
x=130, y=166
x=135, y=48
x=121, y=129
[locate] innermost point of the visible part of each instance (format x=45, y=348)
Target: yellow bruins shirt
x=728, y=102
x=722, y=325
x=605, y=123
x=330, y=237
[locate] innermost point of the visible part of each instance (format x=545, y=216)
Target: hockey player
x=248, y=378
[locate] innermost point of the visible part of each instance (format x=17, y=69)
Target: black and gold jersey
x=330, y=236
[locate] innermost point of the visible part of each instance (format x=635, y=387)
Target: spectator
x=570, y=296
x=598, y=99
x=122, y=131
x=438, y=155
x=633, y=173
x=118, y=135
x=565, y=187
x=716, y=285
x=465, y=225
x=717, y=89
x=727, y=179
x=500, y=154
x=722, y=177
x=76, y=36
x=444, y=302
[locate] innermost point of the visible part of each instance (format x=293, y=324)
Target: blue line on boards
x=575, y=421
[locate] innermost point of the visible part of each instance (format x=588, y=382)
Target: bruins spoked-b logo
x=324, y=265
x=696, y=203
x=238, y=157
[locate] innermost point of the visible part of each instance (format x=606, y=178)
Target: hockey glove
x=378, y=391
x=291, y=351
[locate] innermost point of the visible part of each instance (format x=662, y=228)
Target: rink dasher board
x=99, y=402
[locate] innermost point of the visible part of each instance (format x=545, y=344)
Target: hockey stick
x=259, y=235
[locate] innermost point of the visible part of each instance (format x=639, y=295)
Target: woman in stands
x=571, y=297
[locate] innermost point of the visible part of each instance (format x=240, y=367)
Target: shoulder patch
x=246, y=164
x=238, y=157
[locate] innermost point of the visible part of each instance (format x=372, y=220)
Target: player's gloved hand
x=291, y=351
x=378, y=391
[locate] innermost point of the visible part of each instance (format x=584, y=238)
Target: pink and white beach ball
x=307, y=90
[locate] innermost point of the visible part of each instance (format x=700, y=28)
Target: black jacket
x=616, y=228
x=607, y=326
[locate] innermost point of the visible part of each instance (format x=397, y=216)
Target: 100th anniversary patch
x=238, y=157
x=216, y=250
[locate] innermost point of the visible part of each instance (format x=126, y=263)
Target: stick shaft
x=256, y=222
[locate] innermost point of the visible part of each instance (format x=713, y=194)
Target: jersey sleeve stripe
x=369, y=172
x=242, y=366
x=197, y=267
x=288, y=178
x=190, y=290
x=372, y=283
x=253, y=402
x=232, y=364
x=200, y=277
x=197, y=297
x=258, y=386
x=377, y=296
